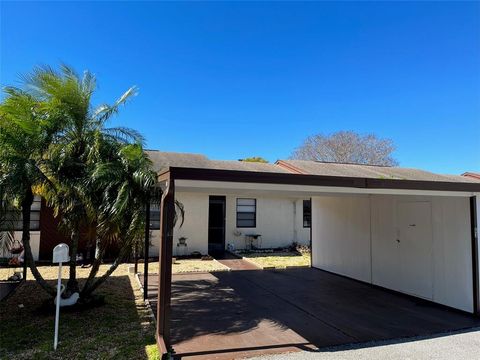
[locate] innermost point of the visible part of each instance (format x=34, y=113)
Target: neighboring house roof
x=366, y=171
x=163, y=160
x=472, y=175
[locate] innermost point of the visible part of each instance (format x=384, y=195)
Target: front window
x=246, y=213
x=307, y=213
x=154, y=217
x=15, y=217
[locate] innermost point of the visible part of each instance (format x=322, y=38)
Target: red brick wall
x=51, y=235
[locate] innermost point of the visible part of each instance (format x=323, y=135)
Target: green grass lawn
x=120, y=328
x=279, y=260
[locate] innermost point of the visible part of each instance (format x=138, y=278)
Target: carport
x=413, y=237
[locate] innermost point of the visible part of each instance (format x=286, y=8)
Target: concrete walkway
x=235, y=263
x=458, y=346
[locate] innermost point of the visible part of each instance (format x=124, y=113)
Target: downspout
x=295, y=232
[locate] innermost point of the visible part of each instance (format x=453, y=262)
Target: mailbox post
x=60, y=255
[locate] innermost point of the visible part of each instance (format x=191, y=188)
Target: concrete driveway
x=458, y=345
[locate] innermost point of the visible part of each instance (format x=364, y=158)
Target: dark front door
x=216, y=225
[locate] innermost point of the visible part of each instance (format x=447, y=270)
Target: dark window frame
x=38, y=200
x=154, y=217
x=246, y=212
x=35, y=213
x=307, y=215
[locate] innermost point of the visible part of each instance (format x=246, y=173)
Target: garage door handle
x=398, y=241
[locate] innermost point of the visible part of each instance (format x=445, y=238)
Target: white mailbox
x=60, y=254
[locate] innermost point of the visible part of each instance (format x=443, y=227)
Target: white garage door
x=415, y=248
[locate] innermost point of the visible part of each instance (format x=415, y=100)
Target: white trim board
x=227, y=187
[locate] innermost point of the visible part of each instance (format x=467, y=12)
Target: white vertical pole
x=57, y=311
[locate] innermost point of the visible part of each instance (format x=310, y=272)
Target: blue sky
x=232, y=80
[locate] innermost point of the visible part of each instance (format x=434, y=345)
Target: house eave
x=184, y=173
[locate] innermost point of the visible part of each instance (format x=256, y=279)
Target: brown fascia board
x=163, y=175
x=313, y=180
x=289, y=167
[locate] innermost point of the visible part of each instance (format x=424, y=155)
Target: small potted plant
x=182, y=240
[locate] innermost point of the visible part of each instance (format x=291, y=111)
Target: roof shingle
x=163, y=160
x=368, y=171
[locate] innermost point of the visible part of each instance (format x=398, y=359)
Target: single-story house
x=220, y=218
x=280, y=220
x=407, y=230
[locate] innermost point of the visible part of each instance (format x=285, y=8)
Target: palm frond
x=69, y=72
x=88, y=82
x=179, y=213
x=105, y=111
x=124, y=135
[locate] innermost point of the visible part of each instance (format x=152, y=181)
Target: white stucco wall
x=352, y=235
x=279, y=221
x=341, y=235
x=194, y=228
x=34, y=243
x=452, y=252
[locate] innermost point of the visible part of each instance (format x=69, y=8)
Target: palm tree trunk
x=72, y=284
x=26, y=208
x=95, y=266
x=135, y=258
x=89, y=290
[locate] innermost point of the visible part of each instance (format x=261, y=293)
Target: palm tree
x=68, y=161
x=51, y=122
x=125, y=183
x=94, y=177
x=25, y=131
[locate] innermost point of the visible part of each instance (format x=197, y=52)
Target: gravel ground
x=459, y=346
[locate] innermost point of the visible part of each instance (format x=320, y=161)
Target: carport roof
x=300, y=172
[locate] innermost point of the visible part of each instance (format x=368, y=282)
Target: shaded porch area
x=237, y=314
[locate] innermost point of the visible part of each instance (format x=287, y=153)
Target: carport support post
x=167, y=216
x=474, y=217
x=146, y=249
